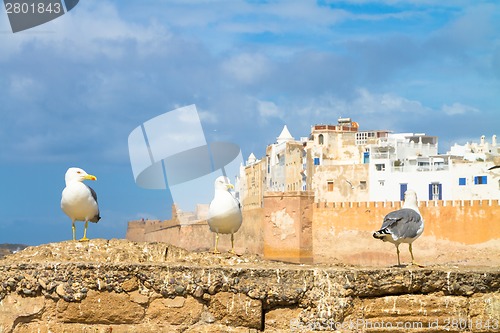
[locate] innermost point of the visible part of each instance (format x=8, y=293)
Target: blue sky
x=73, y=89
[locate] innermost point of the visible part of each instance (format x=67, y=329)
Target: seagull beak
x=230, y=186
x=90, y=177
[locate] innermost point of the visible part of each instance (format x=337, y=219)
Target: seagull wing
x=96, y=217
x=402, y=223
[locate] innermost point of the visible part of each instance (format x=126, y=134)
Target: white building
x=341, y=163
x=411, y=161
x=476, y=152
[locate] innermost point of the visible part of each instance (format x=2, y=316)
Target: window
x=281, y=159
x=362, y=185
x=479, y=180
x=329, y=185
x=423, y=166
x=381, y=182
x=380, y=167
x=320, y=139
x=366, y=157
x=316, y=161
x=435, y=191
x=403, y=187
x=462, y=181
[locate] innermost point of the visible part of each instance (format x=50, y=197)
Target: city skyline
x=74, y=88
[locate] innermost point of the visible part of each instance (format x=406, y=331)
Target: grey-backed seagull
x=224, y=213
x=403, y=225
x=79, y=201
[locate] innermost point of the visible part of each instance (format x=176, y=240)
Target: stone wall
x=119, y=286
x=287, y=226
x=465, y=232
x=292, y=227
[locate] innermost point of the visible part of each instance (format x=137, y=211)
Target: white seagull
x=79, y=201
x=403, y=225
x=224, y=213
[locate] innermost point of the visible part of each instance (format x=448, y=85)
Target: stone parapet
x=155, y=287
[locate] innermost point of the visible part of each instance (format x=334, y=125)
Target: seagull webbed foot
x=413, y=263
x=84, y=239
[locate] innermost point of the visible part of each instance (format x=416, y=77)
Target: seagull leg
x=216, y=242
x=73, y=228
x=413, y=259
x=85, y=239
x=397, y=251
x=232, y=244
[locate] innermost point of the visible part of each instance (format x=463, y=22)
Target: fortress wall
x=198, y=237
x=135, y=231
x=287, y=226
x=194, y=237
x=292, y=227
x=343, y=231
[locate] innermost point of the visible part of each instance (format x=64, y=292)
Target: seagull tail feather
x=381, y=234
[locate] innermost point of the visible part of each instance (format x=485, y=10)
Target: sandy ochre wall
x=292, y=227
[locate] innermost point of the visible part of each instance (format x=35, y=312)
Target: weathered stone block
x=177, y=311
x=281, y=318
x=236, y=310
x=415, y=312
x=212, y=328
x=130, y=285
x=100, y=308
x=43, y=327
x=484, y=312
x=139, y=298
x=15, y=308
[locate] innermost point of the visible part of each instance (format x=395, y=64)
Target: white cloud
x=269, y=110
x=208, y=117
x=366, y=102
x=93, y=29
x=246, y=68
x=24, y=87
x=458, y=109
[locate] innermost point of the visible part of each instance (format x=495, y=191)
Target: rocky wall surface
x=122, y=286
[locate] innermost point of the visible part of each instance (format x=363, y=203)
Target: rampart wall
x=119, y=286
x=292, y=227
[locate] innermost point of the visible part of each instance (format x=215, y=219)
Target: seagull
x=224, y=213
x=79, y=201
x=403, y=225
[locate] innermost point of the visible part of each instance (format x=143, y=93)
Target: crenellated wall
x=458, y=231
x=292, y=227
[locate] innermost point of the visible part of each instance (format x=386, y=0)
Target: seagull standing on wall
x=224, y=213
x=79, y=201
x=403, y=225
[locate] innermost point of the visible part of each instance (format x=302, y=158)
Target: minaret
x=285, y=135
x=251, y=159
